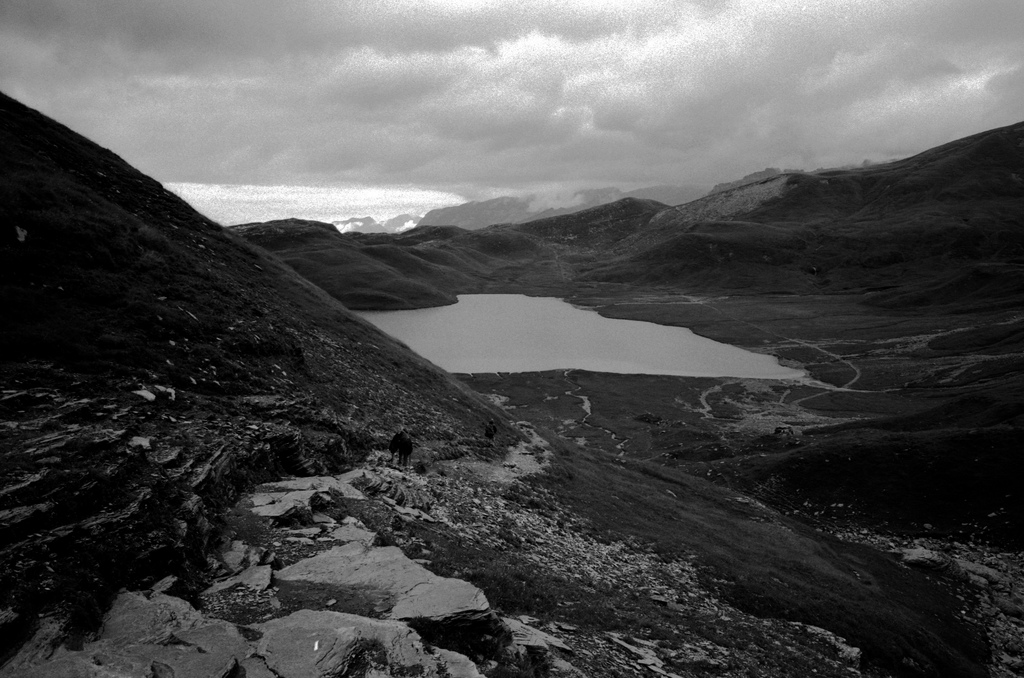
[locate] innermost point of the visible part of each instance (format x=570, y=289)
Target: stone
x=532, y=639
x=287, y=506
x=186, y=645
x=135, y=618
x=256, y=578
x=350, y=533
x=318, y=483
x=1011, y=606
x=992, y=576
x=927, y=559
x=324, y=643
x=407, y=590
x=240, y=556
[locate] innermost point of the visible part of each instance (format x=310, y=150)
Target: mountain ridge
x=156, y=367
x=510, y=209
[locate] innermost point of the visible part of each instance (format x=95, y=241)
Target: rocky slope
x=153, y=365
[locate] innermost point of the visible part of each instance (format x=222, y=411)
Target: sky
x=331, y=109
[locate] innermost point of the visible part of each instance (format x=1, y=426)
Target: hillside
x=181, y=409
x=897, y=288
x=933, y=228
x=510, y=210
x=154, y=364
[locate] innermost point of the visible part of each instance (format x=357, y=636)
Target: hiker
x=401, y=444
x=490, y=428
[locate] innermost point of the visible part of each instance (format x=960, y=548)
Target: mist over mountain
x=512, y=210
x=402, y=222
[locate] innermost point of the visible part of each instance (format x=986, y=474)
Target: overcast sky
x=364, y=107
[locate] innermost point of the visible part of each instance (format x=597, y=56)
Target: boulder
x=324, y=643
x=990, y=575
x=927, y=559
x=1012, y=605
x=155, y=636
x=241, y=556
x=284, y=507
x=135, y=618
x=256, y=578
x=406, y=589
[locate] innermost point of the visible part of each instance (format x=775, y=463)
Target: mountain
x=359, y=224
x=766, y=173
x=153, y=365
x=402, y=222
x=511, y=210
x=895, y=286
x=162, y=375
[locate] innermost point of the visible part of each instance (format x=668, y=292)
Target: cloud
x=235, y=204
x=474, y=97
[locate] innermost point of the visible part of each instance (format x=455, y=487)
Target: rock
x=318, y=483
x=927, y=559
x=143, y=393
x=531, y=639
x=256, y=578
x=240, y=556
x=1011, y=606
x=849, y=655
x=406, y=589
x=289, y=506
x=350, y=533
x=158, y=636
x=139, y=441
x=305, y=531
x=135, y=618
x=992, y=576
x=326, y=643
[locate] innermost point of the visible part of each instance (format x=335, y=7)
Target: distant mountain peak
x=515, y=210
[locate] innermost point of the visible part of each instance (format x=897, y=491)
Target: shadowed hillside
x=154, y=364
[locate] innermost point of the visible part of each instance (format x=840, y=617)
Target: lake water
x=516, y=333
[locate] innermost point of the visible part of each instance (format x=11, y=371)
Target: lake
x=516, y=333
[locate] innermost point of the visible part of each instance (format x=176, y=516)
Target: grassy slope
x=773, y=566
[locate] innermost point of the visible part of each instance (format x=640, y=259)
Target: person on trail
x=490, y=428
x=402, y=445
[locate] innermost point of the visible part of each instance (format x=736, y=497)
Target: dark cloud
x=479, y=96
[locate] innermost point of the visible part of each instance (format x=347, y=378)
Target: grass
x=773, y=567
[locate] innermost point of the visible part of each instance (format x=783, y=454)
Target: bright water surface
x=516, y=333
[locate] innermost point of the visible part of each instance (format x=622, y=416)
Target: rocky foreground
x=332, y=576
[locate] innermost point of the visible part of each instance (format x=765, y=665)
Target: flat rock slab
x=136, y=618
x=308, y=643
x=256, y=577
x=317, y=483
x=160, y=636
x=407, y=588
x=351, y=533
x=282, y=504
